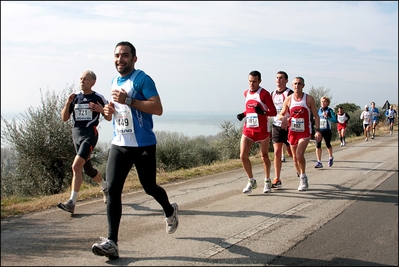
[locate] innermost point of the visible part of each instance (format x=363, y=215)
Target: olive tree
x=43, y=146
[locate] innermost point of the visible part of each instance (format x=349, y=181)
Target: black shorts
x=279, y=135
x=84, y=141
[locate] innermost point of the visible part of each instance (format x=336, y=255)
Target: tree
x=44, y=148
x=318, y=93
x=348, y=107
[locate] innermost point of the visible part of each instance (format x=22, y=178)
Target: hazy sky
x=200, y=53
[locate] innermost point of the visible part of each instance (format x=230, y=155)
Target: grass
x=13, y=206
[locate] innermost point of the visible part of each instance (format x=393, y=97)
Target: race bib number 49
x=124, y=122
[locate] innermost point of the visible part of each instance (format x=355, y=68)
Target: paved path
x=348, y=215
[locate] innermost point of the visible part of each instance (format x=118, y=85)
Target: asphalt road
x=349, y=216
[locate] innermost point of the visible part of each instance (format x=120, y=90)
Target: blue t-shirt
x=140, y=86
x=376, y=114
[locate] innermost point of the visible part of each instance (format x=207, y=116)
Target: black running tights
x=120, y=162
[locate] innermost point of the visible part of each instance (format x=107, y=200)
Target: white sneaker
x=250, y=185
x=283, y=158
x=390, y=132
x=268, y=186
x=173, y=221
x=366, y=139
x=343, y=143
x=106, y=248
x=303, y=184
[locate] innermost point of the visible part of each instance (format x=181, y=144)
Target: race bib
x=297, y=124
x=124, y=121
x=252, y=120
x=323, y=123
x=83, y=112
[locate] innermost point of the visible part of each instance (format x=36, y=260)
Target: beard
x=124, y=70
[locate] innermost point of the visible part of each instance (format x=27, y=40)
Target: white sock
x=74, y=196
x=103, y=184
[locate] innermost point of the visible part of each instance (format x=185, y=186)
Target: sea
x=190, y=124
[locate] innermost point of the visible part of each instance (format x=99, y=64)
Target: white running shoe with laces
x=106, y=248
x=303, y=183
x=268, y=186
x=250, y=185
x=172, y=222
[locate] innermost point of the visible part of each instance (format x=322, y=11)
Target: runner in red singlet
x=300, y=105
x=258, y=106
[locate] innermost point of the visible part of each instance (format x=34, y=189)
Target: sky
x=200, y=53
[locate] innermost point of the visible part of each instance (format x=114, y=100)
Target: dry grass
x=17, y=206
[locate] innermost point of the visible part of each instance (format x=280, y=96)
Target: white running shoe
x=268, y=186
x=250, y=185
x=303, y=184
x=106, y=248
x=172, y=222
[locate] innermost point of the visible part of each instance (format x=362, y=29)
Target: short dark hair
x=255, y=73
x=132, y=48
x=300, y=78
x=284, y=73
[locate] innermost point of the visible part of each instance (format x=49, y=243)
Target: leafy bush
x=44, y=148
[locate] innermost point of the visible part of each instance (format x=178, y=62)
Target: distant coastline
x=191, y=123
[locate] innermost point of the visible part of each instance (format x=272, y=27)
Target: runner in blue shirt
x=134, y=100
x=376, y=117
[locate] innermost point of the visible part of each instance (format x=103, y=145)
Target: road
x=349, y=216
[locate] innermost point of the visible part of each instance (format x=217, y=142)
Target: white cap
x=366, y=106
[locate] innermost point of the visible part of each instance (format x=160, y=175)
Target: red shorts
x=256, y=136
x=293, y=138
x=340, y=127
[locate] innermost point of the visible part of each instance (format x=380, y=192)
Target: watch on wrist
x=128, y=101
x=317, y=130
